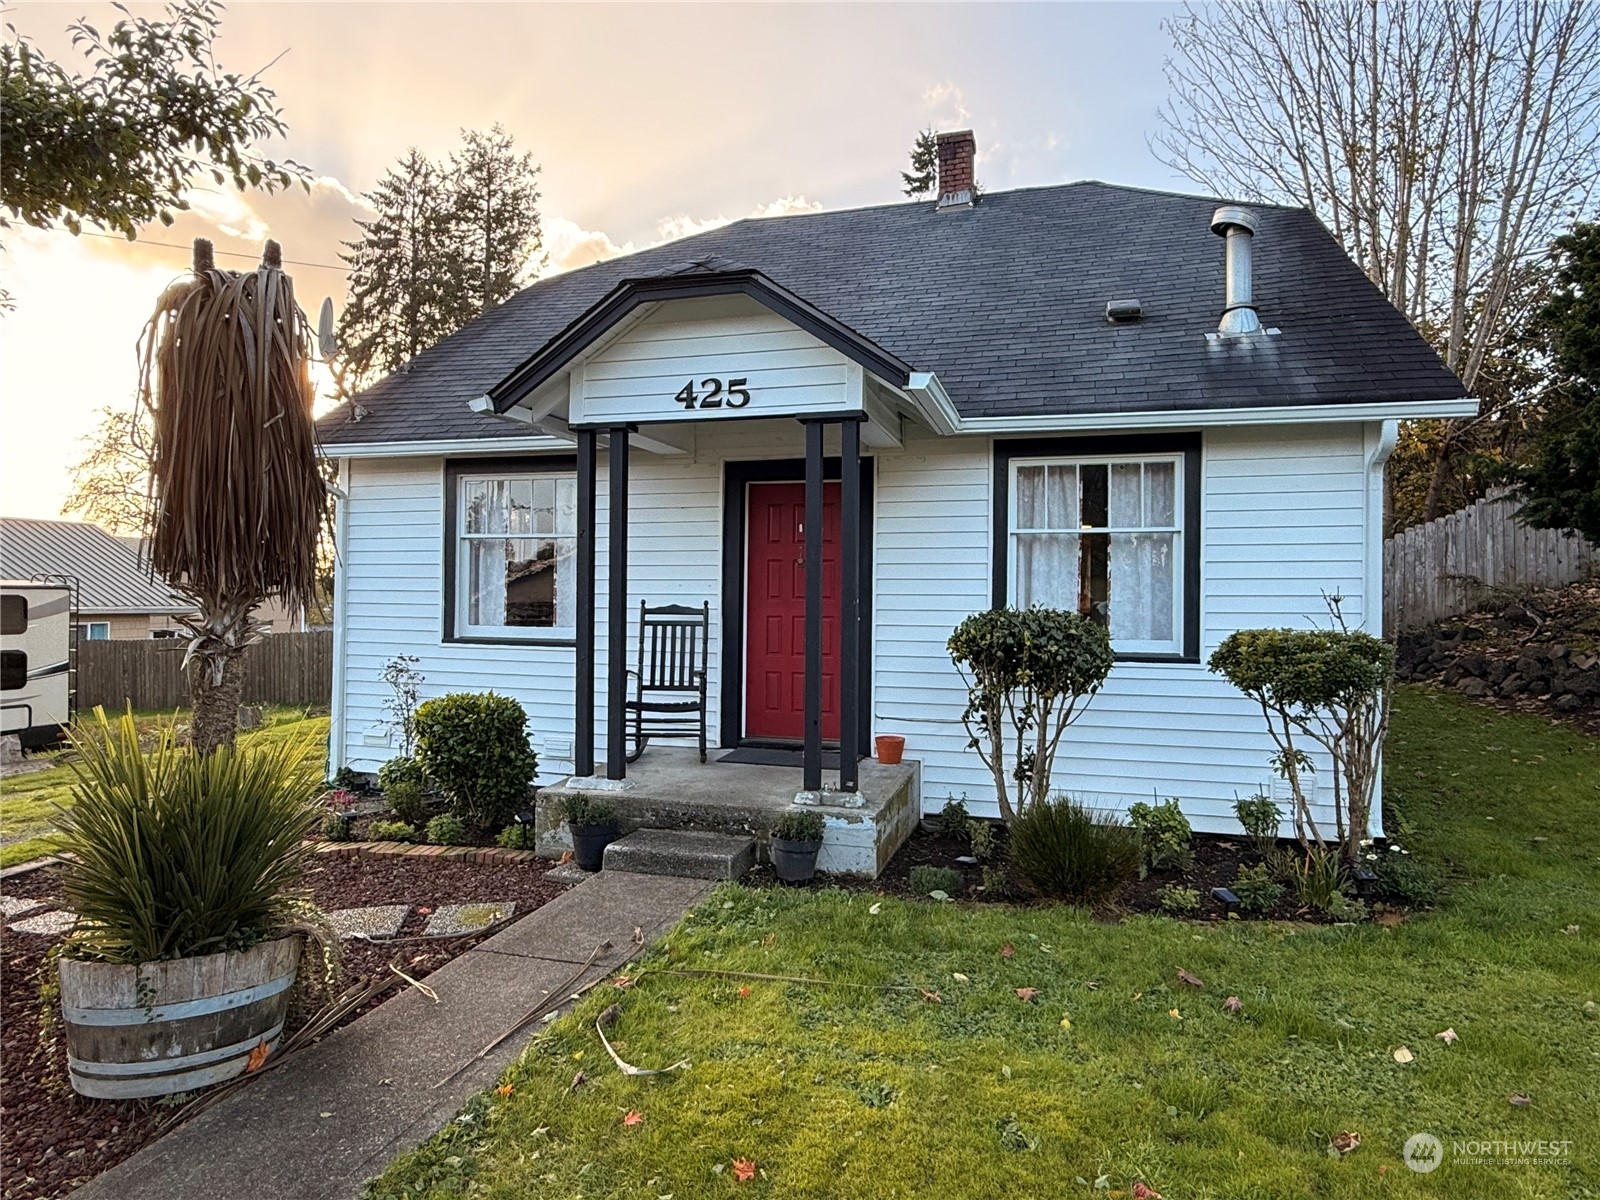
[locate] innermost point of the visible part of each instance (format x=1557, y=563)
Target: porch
x=669, y=788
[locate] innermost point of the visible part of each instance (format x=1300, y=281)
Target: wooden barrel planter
x=164, y=1027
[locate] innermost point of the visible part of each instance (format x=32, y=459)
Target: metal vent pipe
x=1237, y=228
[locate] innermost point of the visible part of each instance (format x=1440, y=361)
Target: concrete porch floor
x=669, y=788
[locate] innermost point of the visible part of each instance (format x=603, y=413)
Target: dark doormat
x=764, y=756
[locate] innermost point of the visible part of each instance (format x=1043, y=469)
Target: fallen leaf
x=633, y=1117
x=1232, y=1004
x=622, y=981
x=1008, y=951
x=930, y=997
x=566, y=857
x=638, y=936
x=1346, y=1142
x=959, y=977
x=325, y=1114
x=744, y=993
x=1138, y=995
x=578, y=1081
x=1403, y=1055
x=1570, y=930
x=1191, y=979
x=769, y=939
x=1383, y=1169
x=578, y=1055
x=424, y=911
x=744, y=1170
x=875, y=909
x=1520, y=1099
x=505, y=1089
x=1029, y=994
x=257, y=1057
x=1093, y=985
x=1448, y=1037
x=1174, y=1014
x=1066, y=1022
x=1141, y=1192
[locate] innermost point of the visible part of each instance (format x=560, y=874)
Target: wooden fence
x=1458, y=562
x=282, y=668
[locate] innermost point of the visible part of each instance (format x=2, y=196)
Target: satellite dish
x=325, y=340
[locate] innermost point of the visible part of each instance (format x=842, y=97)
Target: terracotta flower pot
x=890, y=747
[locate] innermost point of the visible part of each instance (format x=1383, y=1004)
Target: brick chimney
x=956, y=154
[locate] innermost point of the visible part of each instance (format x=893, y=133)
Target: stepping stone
x=15, y=906
x=451, y=919
x=567, y=872
x=380, y=921
x=688, y=853
x=50, y=924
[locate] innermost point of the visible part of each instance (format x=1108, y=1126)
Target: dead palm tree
x=237, y=496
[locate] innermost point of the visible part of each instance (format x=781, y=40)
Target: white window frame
x=463, y=628
x=89, y=628
x=1141, y=646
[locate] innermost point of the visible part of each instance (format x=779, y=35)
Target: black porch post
x=849, y=603
x=617, y=609
x=812, y=775
x=583, y=673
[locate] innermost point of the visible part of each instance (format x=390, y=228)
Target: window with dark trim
x=1108, y=527
x=510, y=529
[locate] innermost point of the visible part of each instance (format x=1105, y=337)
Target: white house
x=1079, y=396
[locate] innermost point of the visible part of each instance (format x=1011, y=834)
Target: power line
x=298, y=262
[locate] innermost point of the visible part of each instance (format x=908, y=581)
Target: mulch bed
x=56, y=1139
x=1216, y=862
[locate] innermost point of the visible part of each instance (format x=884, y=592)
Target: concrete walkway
x=320, y=1126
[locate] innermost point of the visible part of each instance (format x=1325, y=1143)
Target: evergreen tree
x=405, y=275
x=1561, y=483
x=923, y=177
x=496, y=214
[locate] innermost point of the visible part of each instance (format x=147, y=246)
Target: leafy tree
x=111, y=481
x=1561, y=482
x=923, y=177
x=447, y=243
x=496, y=215
x=119, y=145
x=1444, y=144
x=1029, y=673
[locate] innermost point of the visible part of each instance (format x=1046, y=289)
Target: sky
x=649, y=122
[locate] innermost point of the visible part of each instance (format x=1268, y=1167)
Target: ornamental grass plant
x=177, y=853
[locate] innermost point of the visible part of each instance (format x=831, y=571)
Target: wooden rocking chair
x=669, y=698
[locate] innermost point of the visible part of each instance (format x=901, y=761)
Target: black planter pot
x=589, y=843
x=794, y=862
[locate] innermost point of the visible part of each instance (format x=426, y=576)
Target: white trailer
x=36, y=660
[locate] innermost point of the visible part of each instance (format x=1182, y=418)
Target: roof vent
x=1123, y=312
x=1238, y=227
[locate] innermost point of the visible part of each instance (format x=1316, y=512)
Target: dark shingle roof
x=110, y=577
x=1004, y=301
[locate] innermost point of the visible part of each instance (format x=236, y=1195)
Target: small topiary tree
x=1029, y=675
x=475, y=747
x=1333, y=687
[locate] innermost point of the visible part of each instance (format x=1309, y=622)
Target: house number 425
x=715, y=393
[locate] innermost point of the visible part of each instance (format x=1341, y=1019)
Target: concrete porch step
x=687, y=853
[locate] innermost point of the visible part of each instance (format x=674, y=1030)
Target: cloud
x=568, y=245
x=947, y=106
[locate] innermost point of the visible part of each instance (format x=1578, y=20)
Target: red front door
x=775, y=621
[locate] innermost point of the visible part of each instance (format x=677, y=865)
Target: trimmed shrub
x=406, y=802
x=475, y=747
x=1062, y=850
x=1404, y=879
x=447, y=830
x=1256, y=889
x=954, y=821
x=402, y=768
x=925, y=880
x=799, y=827
x=391, y=831
x=1164, y=835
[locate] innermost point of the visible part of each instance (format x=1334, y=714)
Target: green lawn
x=28, y=802
x=854, y=1092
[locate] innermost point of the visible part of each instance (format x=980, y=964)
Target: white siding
x=636, y=376
x=1285, y=515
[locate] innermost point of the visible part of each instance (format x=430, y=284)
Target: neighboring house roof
x=1005, y=302
x=110, y=576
